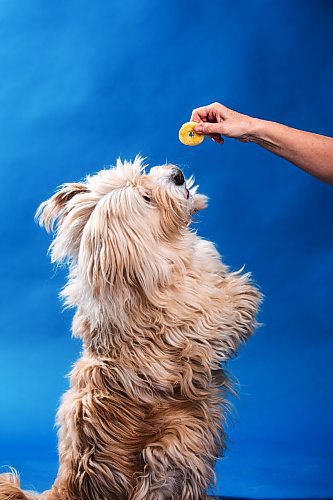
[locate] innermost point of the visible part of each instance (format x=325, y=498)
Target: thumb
x=208, y=128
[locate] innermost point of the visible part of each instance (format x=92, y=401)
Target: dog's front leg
x=238, y=305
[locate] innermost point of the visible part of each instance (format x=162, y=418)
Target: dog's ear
x=54, y=208
x=106, y=253
x=118, y=253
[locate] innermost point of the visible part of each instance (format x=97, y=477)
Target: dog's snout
x=178, y=177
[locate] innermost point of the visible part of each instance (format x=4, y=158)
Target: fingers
x=208, y=128
x=209, y=121
x=210, y=113
x=216, y=138
x=199, y=114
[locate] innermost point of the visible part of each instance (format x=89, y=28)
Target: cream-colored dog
x=157, y=312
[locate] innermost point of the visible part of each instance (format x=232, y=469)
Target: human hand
x=216, y=120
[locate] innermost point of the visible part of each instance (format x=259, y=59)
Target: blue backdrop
x=84, y=82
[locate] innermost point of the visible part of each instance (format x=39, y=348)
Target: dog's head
x=120, y=225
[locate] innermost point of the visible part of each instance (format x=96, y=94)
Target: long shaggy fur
x=158, y=314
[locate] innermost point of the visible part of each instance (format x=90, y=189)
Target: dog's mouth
x=187, y=193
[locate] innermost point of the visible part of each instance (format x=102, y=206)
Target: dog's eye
x=146, y=198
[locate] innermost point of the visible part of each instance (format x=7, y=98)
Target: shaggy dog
x=158, y=312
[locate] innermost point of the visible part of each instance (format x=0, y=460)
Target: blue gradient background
x=83, y=82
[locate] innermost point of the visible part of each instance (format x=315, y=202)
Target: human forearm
x=312, y=153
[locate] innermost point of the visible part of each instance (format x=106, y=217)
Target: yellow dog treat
x=188, y=136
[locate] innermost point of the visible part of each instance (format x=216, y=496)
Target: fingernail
x=198, y=128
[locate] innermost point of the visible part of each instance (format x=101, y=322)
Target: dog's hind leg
x=10, y=488
x=167, y=483
x=178, y=464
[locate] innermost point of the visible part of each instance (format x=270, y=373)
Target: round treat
x=188, y=136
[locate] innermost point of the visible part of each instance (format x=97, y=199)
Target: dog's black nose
x=178, y=177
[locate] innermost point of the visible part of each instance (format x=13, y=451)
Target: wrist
x=265, y=134
x=257, y=129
